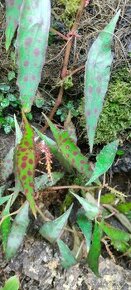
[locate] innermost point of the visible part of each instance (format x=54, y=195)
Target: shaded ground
x=38, y=266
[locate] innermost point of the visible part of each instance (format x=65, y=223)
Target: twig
x=72, y=187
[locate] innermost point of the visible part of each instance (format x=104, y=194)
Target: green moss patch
x=115, y=119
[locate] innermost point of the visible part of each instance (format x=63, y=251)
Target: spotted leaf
x=97, y=75
x=32, y=39
x=12, y=19
x=69, y=150
x=25, y=163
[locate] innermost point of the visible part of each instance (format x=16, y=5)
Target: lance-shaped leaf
x=67, y=258
x=2, y=189
x=8, y=163
x=12, y=284
x=91, y=210
x=95, y=250
x=104, y=160
x=32, y=42
x=118, y=237
x=97, y=75
x=86, y=228
x=69, y=150
x=25, y=163
x=18, y=231
x=12, y=19
x=53, y=229
x=6, y=224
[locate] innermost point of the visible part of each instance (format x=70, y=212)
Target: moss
x=115, y=119
x=69, y=11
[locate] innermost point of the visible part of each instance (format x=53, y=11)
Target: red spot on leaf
x=26, y=190
x=75, y=153
x=26, y=79
x=83, y=162
x=23, y=177
x=88, y=113
x=26, y=63
x=33, y=77
x=26, y=143
x=31, y=184
x=28, y=41
x=23, y=165
x=90, y=89
x=29, y=172
x=31, y=161
x=95, y=110
x=36, y=52
x=24, y=158
x=22, y=149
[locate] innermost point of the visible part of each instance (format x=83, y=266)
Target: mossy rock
x=115, y=119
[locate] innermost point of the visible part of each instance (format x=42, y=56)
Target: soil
x=37, y=262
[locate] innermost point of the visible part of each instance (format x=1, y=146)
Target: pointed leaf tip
x=97, y=75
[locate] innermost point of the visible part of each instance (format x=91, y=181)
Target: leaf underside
x=97, y=75
x=12, y=19
x=67, y=258
x=18, y=231
x=32, y=40
x=52, y=230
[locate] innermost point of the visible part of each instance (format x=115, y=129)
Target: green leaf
x=44, y=181
x=124, y=207
x=12, y=283
x=7, y=167
x=114, y=233
x=108, y=198
x=4, y=199
x=67, y=258
x=2, y=189
x=86, y=228
x=118, y=238
x=8, y=162
x=69, y=150
x=39, y=102
x=11, y=74
x=52, y=230
x=5, y=103
x=25, y=164
x=95, y=250
x=91, y=210
x=6, y=224
x=4, y=88
x=104, y=160
x=12, y=19
x=32, y=40
x=97, y=75
x=18, y=231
